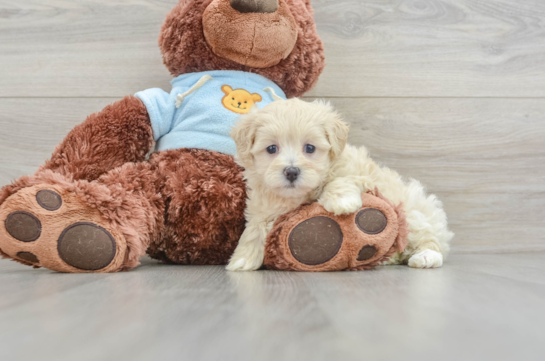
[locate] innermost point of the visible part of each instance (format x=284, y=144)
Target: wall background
x=451, y=92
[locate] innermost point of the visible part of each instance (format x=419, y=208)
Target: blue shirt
x=206, y=116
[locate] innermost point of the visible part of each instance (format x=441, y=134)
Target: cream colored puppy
x=295, y=152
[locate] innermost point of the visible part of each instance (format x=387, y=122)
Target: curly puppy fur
x=333, y=173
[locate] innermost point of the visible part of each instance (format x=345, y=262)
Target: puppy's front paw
x=341, y=204
x=426, y=259
x=245, y=259
x=236, y=264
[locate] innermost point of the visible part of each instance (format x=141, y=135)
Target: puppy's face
x=288, y=146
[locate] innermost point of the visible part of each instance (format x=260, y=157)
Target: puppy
x=295, y=152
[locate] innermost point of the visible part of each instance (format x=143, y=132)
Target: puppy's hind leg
x=429, y=235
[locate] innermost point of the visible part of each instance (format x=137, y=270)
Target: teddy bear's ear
x=256, y=98
x=226, y=89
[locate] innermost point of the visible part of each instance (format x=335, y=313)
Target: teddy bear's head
x=274, y=38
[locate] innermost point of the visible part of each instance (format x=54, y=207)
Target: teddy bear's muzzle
x=258, y=34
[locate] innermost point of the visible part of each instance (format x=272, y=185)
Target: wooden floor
x=451, y=92
x=478, y=307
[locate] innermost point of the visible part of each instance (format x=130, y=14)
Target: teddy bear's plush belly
x=205, y=197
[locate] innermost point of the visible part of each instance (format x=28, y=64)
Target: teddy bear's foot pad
x=371, y=221
x=86, y=246
x=316, y=240
x=23, y=226
x=319, y=239
x=312, y=239
x=29, y=257
x=367, y=252
x=47, y=226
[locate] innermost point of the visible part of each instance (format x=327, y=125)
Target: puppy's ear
x=243, y=133
x=337, y=132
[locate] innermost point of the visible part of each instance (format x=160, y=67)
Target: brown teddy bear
x=99, y=203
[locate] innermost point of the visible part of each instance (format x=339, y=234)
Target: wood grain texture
x=432, y=48
x=483, y=157
x=402, y=48
x=476, y=308
x=27, y=138
x=66, y=48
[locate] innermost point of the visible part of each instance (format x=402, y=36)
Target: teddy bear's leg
x=120, y=133
x=183, y=206
x=205, y=197
x=81, y=226
x=312, y=239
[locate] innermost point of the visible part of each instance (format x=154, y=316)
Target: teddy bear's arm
x=118, y=134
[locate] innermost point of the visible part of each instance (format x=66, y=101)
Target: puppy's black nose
x=255, y=6
x=292, y=173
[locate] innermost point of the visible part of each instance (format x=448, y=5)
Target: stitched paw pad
x=46, y=226
x=86, y=246
x=316, y=240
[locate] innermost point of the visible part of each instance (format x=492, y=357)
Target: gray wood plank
x=433, y=48
x=477, y=307
x=80, y=48
x=28, y=138
x=483, y=157
x=447, y=48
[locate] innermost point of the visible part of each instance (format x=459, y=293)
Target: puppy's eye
x=309, y=148
x=272, y=149
x=233, y=98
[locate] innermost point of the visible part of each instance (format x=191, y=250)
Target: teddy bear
x=104, y=198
